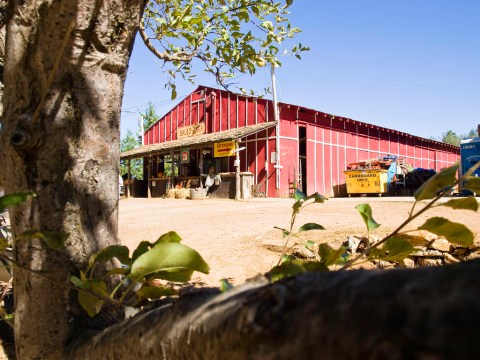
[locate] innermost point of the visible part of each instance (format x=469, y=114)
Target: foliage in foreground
x=149, y=272
x=146, y=274
x=152, y=269
x=396, y=246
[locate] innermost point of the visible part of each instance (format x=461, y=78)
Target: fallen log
x=422, y=313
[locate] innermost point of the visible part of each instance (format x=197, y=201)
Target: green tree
x=149, y=117
x=450, y=137
x=470, y=135
x=128, y=142
x=225, y=37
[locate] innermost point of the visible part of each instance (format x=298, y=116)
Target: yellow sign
x=191, y=130
x=226, y=148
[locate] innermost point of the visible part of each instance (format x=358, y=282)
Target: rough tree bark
x=64, y=74
x=429, y=313
x=65, y=69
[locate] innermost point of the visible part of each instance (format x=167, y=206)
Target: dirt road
x=238, y=239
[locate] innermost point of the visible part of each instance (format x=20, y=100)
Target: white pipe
x=277, y=129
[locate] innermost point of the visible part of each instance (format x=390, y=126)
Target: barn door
x=302, y=159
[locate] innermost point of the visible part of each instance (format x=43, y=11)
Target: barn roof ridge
x=313, y=111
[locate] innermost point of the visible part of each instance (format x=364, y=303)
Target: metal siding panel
x=224, y=113
x=251, y=156
x=311, y=159
x=374, y=144
x=242, y=112
x=168, y=128
x=328, y=168
x=403, y=146
x=290, y=163
x=261, y=111
x=232, y=112
x=288, y=129
x=334, y=166
x=261, y=173
x=384, y=143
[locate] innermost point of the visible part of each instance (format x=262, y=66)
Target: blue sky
x=411, y=65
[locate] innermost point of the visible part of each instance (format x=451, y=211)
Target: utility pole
x=277, y=129
x=140, y=123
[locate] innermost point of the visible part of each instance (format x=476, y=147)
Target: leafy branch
x=147, y=273
x=397, y=245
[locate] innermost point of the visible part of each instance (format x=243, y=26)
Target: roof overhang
x=195, y=141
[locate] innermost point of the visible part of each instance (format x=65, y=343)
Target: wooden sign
x=185, y=156
x=191, y=130
x=226, y=148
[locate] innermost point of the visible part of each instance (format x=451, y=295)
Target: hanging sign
x=226, y=148
x=185, y=156
x=191, y=130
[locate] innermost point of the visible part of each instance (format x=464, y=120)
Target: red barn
x=214, y=130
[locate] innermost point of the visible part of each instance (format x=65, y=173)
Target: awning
x=205, y=139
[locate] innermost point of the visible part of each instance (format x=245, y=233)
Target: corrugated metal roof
x=204, y=139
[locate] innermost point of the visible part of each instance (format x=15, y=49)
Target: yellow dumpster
x=372, y=181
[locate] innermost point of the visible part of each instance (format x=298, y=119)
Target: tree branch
x=181, y=56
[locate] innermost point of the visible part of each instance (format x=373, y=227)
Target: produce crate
x=366, y=181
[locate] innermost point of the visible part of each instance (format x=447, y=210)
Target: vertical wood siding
x=332, y=142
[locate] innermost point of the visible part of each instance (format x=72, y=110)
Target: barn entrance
x=302, y=157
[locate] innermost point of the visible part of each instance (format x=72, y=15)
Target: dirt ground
x=238, y=239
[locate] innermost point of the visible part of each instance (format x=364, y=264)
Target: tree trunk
x=64, y=74
x=428, y=313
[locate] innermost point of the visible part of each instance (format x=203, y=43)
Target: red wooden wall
x=332, y=142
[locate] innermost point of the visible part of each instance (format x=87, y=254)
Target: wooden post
x=237, y=171
x=127, y=188
x=149, y=193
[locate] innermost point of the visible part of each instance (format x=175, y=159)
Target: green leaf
x=310, y=244
x=173, y=95
x=310, y=226
x=318, y=198
x=294, y=267
x=167, y=257
x=14, y=199
x=473, y=184
x=170, y=237
x=298, y=195
x=141, y=249
x=330, y=256
x=314, y=265
x=225, y=285
x=174, y=274
x=287, y=269
x=366, y=212
x=3, y=244
x=439, y=182
x=397, y=249
x=297, y=206
x=154, y=292
x=55, y=240
x=454, y=232
x=285, y=233
x=468, y=203
x=89, y=302
x=79, y=283
x=120, y=252
x=118, y=271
